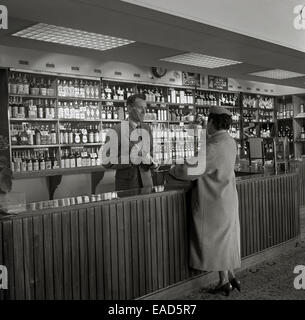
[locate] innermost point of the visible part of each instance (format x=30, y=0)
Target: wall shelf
x=32, y=120
x=31, y=96
x=41, y=146
x=56, y=172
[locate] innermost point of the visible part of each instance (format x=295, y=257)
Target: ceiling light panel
x=277, y=74
x=71, y=37
x=200, y=60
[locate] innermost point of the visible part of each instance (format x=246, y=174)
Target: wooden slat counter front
x=130, y=246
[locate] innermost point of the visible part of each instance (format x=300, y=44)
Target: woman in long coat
x=215, y=227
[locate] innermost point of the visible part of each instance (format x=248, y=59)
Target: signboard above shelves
x=217, y=83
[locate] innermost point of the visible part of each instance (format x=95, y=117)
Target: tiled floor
x=271, y=280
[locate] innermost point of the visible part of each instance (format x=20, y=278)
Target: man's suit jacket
x=131, y=176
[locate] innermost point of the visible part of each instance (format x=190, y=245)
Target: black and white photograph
x=152, y=153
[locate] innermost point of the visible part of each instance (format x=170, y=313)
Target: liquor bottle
x=48, y=161
x=91, y=134
x=87, y=90
x=115, y=95
x=35, y=161
x=96, y=91
x=71, y=110
x=70, y=133
x=84, y=135
x=26, y=86
x=30, y=133
x=78, y=159
x=43, y=88
x=108, y=92
x=115, y=113
x=62, y=159
x=72, y=160
x=67, y=159
x=52, y=110
x=77, y=136
x=82, y=111
x=109, y=112
x=29, y=162
x=23, y=164
x=103, y=113
x=12, y=84
x=92, y=158
x=39, y=109
x=96, y=134
x=42, y=163
x=97, y=111
x=53, y=135
x=66, y=111
x=103, y=93
x=23, y=137
x=71, y=89
x=54, y=160
x=59, y=88
x=66, y=90
x=19, y=84
x=50, y=90
x=92, y=90
x=76, y=89
x=82, y=92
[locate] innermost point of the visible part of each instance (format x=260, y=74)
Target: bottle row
x=286, y=131
x=259, y=102
x=108, y=93
x=176, y=133
x=32, y=108
x=77, y=133
x=262, y=132
x=79, y=110
x=285, y=111
x=258, y=116
x=173, y=153
x=33, y=134
x=26, y=84
x=45, y=159
x=76, y=88
x=159, y=114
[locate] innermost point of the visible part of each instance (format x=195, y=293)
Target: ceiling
x=157, y=35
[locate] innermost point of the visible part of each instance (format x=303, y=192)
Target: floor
x=271, y=280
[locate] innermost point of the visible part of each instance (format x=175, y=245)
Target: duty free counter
x=129, y=244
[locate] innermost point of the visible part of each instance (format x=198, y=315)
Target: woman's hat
x=220, y=110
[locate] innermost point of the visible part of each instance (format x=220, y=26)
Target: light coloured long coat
x=215, y=226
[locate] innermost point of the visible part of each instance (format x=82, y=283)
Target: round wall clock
x=158, y=72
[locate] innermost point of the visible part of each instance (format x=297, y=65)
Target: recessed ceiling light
x=200, y=60
x=71, y=37
x=277, y=74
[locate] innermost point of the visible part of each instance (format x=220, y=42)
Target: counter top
x=11, y=207
x=22, y=208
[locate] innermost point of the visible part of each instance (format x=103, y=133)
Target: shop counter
x=124, y=245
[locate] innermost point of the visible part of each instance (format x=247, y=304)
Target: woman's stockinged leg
x=223, y=277
x=231, y=274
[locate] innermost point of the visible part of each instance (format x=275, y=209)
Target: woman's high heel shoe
x=235, y=284
x=225, y=289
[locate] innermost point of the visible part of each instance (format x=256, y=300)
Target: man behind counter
x=132, y=176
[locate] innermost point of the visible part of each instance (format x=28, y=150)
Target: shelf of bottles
x=53, y=119
x=258, y=118
x=170, y=112
x=66, y=119
x=258, y=111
